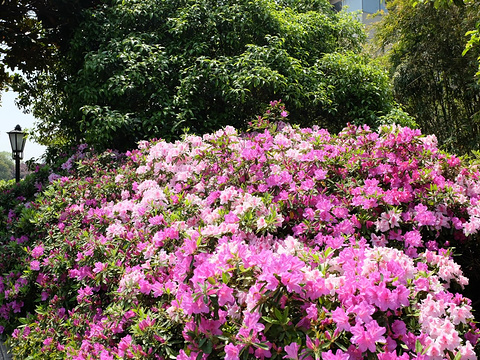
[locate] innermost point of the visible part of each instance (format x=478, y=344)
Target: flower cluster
x=287, y=243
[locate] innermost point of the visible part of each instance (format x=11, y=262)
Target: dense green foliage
x=143, y=69
x=431, y=77
x=32, y=32
x=473, y=33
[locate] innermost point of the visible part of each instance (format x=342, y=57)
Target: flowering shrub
x=18, y=210
x=284, y=243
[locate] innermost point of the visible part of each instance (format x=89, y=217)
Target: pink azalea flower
x=292, y=281
x=366, y=337
x=99, y=267
x=399, y=328
x=210, y=327
x=124, y=345
x=225, y=295
x=363, y=311
x=145, y=286
x=35, y=265
x=339, y=355
x=341, y=319
x=424, y=216
x=104, y=355
x=37, y=251
x=393, y=356
x=251, y=327
x=292, y=351
x=232, y=352
x=231, y=218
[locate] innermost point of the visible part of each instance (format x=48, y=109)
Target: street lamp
x=17, y=140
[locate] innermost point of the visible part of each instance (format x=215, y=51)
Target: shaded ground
x=4, y=355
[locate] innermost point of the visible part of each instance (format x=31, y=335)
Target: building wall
x=366, y=7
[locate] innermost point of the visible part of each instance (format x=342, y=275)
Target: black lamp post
x=17, y=140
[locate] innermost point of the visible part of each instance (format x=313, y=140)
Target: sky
x=10, y=116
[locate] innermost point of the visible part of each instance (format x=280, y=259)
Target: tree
x=144, y=69
x=473, y=34
x=6, y=166
x=431, y=77
x=33, y=31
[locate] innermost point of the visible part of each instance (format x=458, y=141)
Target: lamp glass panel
x=13, y=140
x=17, y=141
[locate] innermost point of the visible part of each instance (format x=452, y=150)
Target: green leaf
x=207, y=347
x=418, y=347
x=458, y=356
x=225, y=277
x=262, y=346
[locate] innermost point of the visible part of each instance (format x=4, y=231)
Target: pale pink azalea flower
x=332, y=283
x=142, y=170
x=460, y=314
x=253, y=297
x=125, y=194
x=433, y=349
x=467, y=352
x=228, y=195
x=261, y=223
x=130, y=280
x=430, y=309
x=449, y=340
x=379, y=241
x=388, y=220
x=282, y=141
x=290, y=246
x=472, y=226
x=116, y=229
x=234, y=311
x=119, y=178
